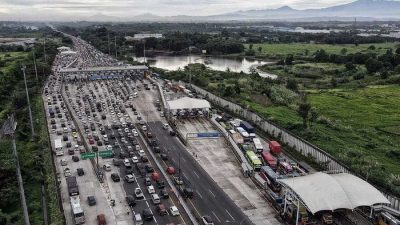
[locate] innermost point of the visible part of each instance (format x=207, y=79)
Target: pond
x=214, y=63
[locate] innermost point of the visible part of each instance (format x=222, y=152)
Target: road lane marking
x=198, y=193
x=211, y=192
x=230, y=214
x=216, y=216
x=196, y=174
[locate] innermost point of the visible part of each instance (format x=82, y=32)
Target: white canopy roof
x=188, y=103
x=321, y=191
x=68, y=52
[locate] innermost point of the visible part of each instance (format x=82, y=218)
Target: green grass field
x=353, y=125
x=300, y=49
x=9, y=58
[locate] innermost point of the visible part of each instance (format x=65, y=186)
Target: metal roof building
x=322, y=191
x=188, y=103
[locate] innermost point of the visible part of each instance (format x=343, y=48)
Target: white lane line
x=198, y=193
x=196, y=174
x=216, y=216
x=230, y=214
x=211, y=192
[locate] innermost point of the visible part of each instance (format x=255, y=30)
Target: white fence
x=295, y=142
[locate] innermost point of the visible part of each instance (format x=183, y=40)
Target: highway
x=208, y=196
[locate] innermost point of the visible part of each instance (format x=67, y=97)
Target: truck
x=72, y=186
x=58, y=147
x=274, y=147
x=237, y=138
x=249, y=128
x=185, y=191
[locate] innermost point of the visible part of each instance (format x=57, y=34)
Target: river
x=214, y=63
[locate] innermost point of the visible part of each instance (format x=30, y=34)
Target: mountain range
x=363, y=10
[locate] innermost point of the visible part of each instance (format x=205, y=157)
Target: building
x=142, y=36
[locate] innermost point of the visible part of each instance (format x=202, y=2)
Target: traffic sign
x=89, y=155
x=105, y=153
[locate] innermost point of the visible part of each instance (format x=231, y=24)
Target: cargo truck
x=249, y=128
x=275, y=147
x=72, y=186
x=58, y=147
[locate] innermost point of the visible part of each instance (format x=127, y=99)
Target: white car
x=135, y=159
x=141, y=153
x=129, y=178
x=165, y=126
x=127, y=163
x=136, y=134
x=144, y=128
x=151, y=190
x=138, y=193
x=174, y=211
x=109, y=147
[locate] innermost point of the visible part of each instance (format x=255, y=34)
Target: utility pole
x=144, y=50
x=44, y=50
x=115, y=45
x=8, y=131
x=29, y=102
x=190, y=71
x=34, y=63
x=109, y=50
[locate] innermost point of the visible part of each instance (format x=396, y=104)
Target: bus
x=254, y=161
x=258, y=145
x=77, y=212
x=271, y=178
x=269, y=159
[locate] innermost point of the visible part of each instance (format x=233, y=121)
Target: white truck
x=58, y=147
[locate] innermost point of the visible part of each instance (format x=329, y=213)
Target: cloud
x=126, y=8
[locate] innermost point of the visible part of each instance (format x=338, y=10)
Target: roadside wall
x=302, y=146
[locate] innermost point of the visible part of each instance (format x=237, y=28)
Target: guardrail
x=297, y=143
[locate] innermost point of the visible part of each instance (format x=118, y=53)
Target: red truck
x=275, y=147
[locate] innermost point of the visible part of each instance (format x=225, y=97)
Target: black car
x=164, y=156
x=144, y=159
x=142, y=172
x=164, y=194
x=147, y=181
x=123, y=155
x=65, y=138
x=95, y=149
x=160, y=184
x=130, y=200
x=147, y=215
x=139, y=166
x=80, y=171
x=115, y=177
x=156, y=149
x=91, y=200
x=149, y=168
x=75, y=158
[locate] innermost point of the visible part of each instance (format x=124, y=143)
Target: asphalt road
x=209, y=198
x=118, y=147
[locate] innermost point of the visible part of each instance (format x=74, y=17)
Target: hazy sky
x=125, y=8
